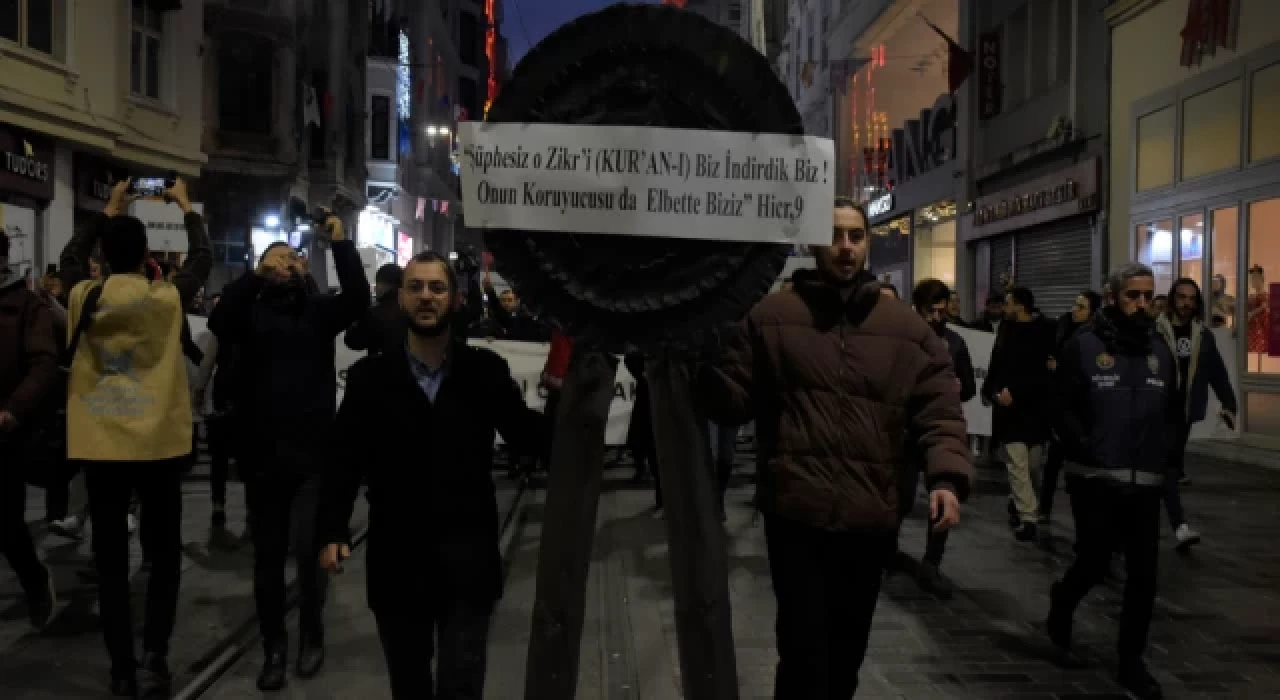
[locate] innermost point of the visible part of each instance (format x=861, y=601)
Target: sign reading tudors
x=1064, y=193
x=26, y=163
x=94, y=179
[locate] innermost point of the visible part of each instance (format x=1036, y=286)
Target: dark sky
x=540, y=18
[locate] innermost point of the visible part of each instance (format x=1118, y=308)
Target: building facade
x=1039, y=121
x=91, y=92
x=1195, y=150
x=803, y=62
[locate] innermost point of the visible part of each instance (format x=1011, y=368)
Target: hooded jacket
x=1205, y=370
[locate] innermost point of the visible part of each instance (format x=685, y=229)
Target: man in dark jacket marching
x=382, y=323
x=1200, y=366
x=433, y=503
x=286, y=396
x=1117, y=384
x=835, y=377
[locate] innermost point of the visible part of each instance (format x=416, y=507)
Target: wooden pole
x=695, y=536
x=564, y=554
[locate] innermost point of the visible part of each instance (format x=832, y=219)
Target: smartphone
x=150, y=186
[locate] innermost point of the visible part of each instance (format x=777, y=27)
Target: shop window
x=1155, y=249
x=1264, y=137
x=1191, y=247
x=380, y=128
x=1221, y=299
x=35, y=24
x=244, y=83
x=1211, y=131
x=1155, y=149
x=1264, y=276
x=144, y=50
x=1262, y=413
x=934, y=240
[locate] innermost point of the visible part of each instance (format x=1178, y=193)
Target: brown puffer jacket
x=28, y=350
x=836, y=388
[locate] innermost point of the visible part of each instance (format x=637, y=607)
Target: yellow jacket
x=128, y=399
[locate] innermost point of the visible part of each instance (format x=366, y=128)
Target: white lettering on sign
x=645, y=181
x=27, y=167
x=880, y=205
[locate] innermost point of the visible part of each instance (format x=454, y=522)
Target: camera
x=150, y=186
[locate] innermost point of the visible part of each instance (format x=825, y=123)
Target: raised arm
x=199, y=261
x=352, y=301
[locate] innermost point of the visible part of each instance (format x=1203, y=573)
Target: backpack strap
x=87, y=311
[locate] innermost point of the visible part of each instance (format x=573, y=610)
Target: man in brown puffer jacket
x=837, y=378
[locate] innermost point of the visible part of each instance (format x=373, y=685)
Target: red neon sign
x=490, y=51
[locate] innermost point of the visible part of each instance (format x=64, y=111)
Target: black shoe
x=154, y=679
x=41, y=602
x=1058, y=625
x=219, y=519
x=931, y=580
x=310, y=658
x=1014, y=519
x=124, y=687
x=1025, y=533
x=275, y=668
x=1135, y=678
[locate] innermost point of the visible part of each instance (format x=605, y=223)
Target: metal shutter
x=1056, y=265
x=1001, y=260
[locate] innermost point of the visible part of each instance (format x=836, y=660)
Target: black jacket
x=430, y=486
x=1117, y=403
x=962, y=364
x=1020, y=363
x=379, y=328
x=285, y=389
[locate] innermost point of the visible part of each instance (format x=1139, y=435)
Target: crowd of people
x=855, y=398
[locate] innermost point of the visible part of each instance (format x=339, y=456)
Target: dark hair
x=124, y=244
x=269, y=248
x=430, y=256
x=846, y=203
x=1093, y=299
x=1023, y=297
x=1173, y=294
x=389, y=274
x=929, y=292
x=4, y=244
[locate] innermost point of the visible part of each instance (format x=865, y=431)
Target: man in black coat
x=1018, y=383
x=931, y=299
x=286, y=396
x=382, y=323
x=434, y=504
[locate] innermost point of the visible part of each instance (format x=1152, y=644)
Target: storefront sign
x=26, y=163
x=990, y=89
x=880, y=205
x=924, y=144
x=94, y=179
x=1062, y=194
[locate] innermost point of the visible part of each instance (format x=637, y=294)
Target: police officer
x=1117, y=384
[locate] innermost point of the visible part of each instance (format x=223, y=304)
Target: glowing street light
x=272, y=221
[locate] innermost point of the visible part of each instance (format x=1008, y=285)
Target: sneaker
x=1026, y=533
x=1135, y=678
x=275, y=668
x=133, y=523
x=154, y=679
x=69, y=527
x=41, y=602
x=1187, y=538
x=931, y=580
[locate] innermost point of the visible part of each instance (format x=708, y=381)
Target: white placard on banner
x=165, y=222
x=648, y=181
x=980, y=343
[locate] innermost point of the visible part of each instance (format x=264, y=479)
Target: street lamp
x=272, y=221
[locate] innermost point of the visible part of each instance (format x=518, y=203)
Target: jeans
x=158, y=486
x=826, y=585
x=283, y=508
x=462, y=635
x=1109, y=514
x=1172, y=491
x=15, y=537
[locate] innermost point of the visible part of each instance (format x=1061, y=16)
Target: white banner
x=648, y=181
x=976, y=414
x=166, y=224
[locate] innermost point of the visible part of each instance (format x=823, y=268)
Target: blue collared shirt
x=428, y=379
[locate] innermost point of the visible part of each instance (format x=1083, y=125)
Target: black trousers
x=935, y=543
x=1173, y=490
x=462, y=633
x=826, y=585
x=283, y=511
x=1049, y=478
x=218, y=428
x=15, y=537
x=1110, y=516
x=111, y=487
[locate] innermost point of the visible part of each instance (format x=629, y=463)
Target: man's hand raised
x=119, y=200
x=178, y=195
x=332, y=556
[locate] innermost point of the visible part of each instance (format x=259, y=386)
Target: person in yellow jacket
x=129, y=420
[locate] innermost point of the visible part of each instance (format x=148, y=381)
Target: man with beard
x=931, y=299
x=1117, y=383
x=992, y=314
x=1200, y=366
x=285, y=395
x=382, y=325
x=836, y=377
x=435, y=505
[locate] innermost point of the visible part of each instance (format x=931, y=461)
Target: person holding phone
x=1200, y=367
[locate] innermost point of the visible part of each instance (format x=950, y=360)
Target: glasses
x=1136, y=294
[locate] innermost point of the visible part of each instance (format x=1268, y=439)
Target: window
x=735, y=11
x=1015, y=58
x=144, y=50
x=1264, y=137
x=1211, y=131
x=244, y=84
x=1224, y=232
x=35, y=24
x=1155, y=150
x=468, y=39
x=1155, y=249
x=380, y=128
x=1191, y=247
x=1264, y=275
x=934, y=240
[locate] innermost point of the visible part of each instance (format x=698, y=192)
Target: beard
x=444, y=320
